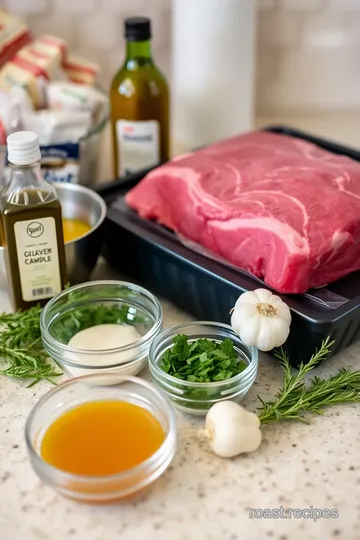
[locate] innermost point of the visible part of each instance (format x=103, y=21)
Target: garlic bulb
x=261, y=319
x=231, y=430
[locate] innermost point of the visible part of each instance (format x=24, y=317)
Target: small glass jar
x=94, y=303
x=101, y=489
x=193, y=397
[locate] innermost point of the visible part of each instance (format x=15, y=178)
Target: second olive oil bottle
x=139, y=103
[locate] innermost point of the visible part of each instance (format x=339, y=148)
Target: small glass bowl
x=72, y=393
x=197, y=398
x=77, y=308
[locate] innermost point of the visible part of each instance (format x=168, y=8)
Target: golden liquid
x=74, y=228
x=102, y=438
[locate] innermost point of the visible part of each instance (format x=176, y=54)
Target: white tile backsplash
x=344, y=5
x=278, y=29
x=306, y=79
x=91, y=31
x=314, y=55
x=62, y=25
x=21, y=6
x=327, y=31
x=72, y=6
x=307, y=57
x=118, y=6
x=266, y=5
x=301, y=5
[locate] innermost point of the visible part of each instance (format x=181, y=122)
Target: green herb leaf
x=21, y=350
x=296, y=398
x=84, y=316
x=203, y=360
x=227, y=348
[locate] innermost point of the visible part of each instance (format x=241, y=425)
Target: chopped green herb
x=73, y=321
x=202, y=361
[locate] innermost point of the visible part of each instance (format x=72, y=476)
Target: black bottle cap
x=137, y=29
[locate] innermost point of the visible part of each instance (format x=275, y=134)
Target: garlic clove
x=265, y=336
x=243, y=315
x=283, y=310
x=231, y=430
x=248, y=332
x=280, y=330
x=263, y=296
x=272, y=333
x=247, y=297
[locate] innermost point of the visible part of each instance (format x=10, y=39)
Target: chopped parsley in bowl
x=203, y=360
x=200, y=363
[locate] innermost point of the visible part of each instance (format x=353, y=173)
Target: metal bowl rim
x=95, y=196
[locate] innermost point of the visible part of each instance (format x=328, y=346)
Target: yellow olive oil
x=74, y=229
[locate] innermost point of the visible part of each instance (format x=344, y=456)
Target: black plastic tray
x=147, y=252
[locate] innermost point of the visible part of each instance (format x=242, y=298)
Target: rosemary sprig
x=296, y=398
x=21, y=349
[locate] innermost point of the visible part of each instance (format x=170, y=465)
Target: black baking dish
x=208, y=289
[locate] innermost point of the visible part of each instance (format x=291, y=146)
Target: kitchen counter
x=202, y=497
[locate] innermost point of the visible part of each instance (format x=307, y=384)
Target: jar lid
x=137, y=28
x=23, y=148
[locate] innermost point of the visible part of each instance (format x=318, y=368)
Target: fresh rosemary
x=296, y=397
x=21, y=349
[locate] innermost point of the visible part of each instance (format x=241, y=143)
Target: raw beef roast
x=284, y=209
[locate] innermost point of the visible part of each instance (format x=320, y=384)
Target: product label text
x=37, y=256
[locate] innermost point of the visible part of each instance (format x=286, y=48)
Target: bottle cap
x=23, y=148
x=137, y=29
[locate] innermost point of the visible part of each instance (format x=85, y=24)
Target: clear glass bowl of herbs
x=200, y=363
x=97, y=308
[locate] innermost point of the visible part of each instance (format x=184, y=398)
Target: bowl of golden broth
x=83, y=213
x=101, y=438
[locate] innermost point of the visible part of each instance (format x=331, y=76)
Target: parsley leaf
x=203, y=360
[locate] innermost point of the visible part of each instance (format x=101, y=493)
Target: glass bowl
x=100, y=302
x=193, y=397
x=101, y=489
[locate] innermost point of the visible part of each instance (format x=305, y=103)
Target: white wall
x=308, y=50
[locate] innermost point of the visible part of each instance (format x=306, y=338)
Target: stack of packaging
x=45, y=89
x=14, y=34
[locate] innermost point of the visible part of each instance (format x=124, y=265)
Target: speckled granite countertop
x=201, y=497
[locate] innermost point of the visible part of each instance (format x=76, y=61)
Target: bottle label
x=38, y=258
x=138, y=145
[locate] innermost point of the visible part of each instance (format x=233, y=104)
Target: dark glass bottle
x=31, y=227
x=139, y=105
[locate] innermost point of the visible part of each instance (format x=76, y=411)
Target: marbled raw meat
x=277, y=206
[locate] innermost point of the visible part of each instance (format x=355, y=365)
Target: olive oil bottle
x=31, y=226
x=139, y=104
